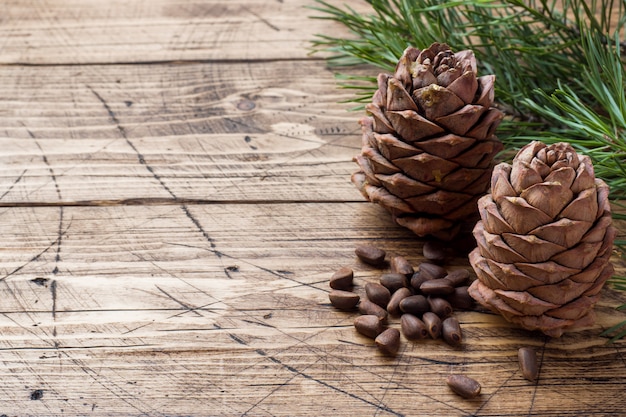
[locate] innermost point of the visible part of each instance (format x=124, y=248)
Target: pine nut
x=369, y=325
x=343, y=300
x=463, y=385
x=388, y=341
x=451, y=331
x=371, y=255
x=527, y=358
x=377, y=293
x=342, y=279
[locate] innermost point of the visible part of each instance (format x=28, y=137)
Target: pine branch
x=511, y=38
x=546, y=54
x=595, y=124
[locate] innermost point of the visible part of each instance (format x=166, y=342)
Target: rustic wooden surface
x=175, y=194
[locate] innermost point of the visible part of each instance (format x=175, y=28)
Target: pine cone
x=544, y=240
x=428, y=142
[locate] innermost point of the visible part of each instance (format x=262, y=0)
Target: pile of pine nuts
x=424, y=299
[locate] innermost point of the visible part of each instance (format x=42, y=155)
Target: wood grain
x=91, y=32
x=208, y=132
x=174, y=196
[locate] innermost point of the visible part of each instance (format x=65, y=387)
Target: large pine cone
x=544, y=240
x=429, y=143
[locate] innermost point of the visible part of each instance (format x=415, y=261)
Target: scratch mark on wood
x=124, y=135
x=268, y=270
x=391, y=380
x=53, y=292
x=276, y=387
x=60, y=234
x=156, y=176
x=79, y=348
x=259, y=323
x=378, y=407
x=349, y=342
x=31, y=260
x=123, y=395
x=57, y=188
x=262, y=19
x=494, y=393
x=187, y=307
x=18, y=179
x=184, y=305
x=201, y=230
x=45, y=160
x=28, y=330
x=137, y=328
x=237, y=339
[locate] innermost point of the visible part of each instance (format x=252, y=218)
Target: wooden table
x=175, y=193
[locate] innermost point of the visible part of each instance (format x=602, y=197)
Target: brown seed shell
x=412, y=327
x=371, y=255
x=460, y=298
x=463, y=385
x=440, y=307
x=432, y=270
x=458, y=277
x=436, y=287
x=368, y=307
x=414, y=304
x=527, y=358
x=377, y=293
x=393, y=307
x=418, y=279
x=400, y=265
x=343, y=300
x=394, y=281
x=433, y=324
x=451, y=331
x=369, y=325
x=342, y=279
x=434, y=251
x=388, y=341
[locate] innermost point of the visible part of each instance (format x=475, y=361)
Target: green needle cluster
x=559, y=66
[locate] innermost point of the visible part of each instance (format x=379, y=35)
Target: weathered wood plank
x=168, y=231
x=214, y=132
x=222, y=310
x=118, y=31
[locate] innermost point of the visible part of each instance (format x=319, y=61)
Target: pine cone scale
x=403, y=186
x=411, y=126
x=447, y=146
x=425, y=167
